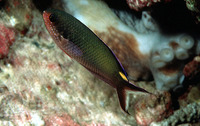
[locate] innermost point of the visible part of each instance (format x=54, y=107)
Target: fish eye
x=52, y=17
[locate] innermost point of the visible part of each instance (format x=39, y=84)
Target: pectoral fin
x=69, y=47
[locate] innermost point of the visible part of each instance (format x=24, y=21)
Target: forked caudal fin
x=122, y=95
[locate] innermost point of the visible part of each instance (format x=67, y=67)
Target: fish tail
x=122, y=95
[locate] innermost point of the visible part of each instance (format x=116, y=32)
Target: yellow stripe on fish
x=123, y=76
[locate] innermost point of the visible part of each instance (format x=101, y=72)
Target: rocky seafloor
x=157, y=42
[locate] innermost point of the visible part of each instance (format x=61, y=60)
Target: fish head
x=51, y=19
x=59, y=26
x=53, y=22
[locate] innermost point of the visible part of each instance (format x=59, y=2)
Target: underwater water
x=156, y=47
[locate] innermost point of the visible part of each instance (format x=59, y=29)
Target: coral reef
x=153, y=50
x=40, y=85
x=140, y=4
x=184, y=115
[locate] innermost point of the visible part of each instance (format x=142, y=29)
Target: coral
x=140, y=4
x=166, y=60
x=142, y=47
x=152, y=108
x=7, y=37
x=188, y=114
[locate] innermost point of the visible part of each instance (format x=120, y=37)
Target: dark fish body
x=81, y=44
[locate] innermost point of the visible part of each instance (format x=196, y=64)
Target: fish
x=81, y=44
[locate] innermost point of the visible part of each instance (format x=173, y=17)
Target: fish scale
x=81, y=44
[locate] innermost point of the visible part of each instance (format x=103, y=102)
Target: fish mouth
x=46, y=16
x=51, y=28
